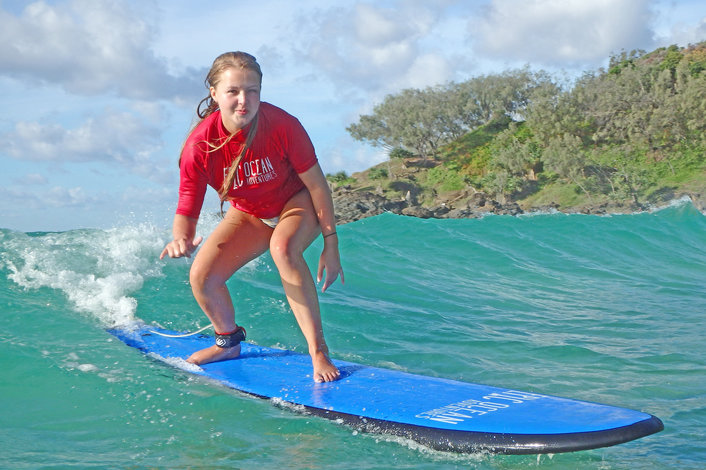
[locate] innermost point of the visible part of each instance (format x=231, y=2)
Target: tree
x=516, y=152
x=489, y=97
x=628, y=174
x=553, y=112
x=565, y=156
x=421, y=120
x=374, y=130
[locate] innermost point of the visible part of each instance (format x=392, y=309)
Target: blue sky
x=98, y=95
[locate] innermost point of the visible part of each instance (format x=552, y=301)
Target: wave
x=101, y=271
x=97, y=270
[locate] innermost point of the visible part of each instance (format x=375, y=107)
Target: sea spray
x=96, y=270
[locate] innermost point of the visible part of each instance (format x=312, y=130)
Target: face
x=238, y=96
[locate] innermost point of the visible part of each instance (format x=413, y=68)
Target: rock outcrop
x=352, y=205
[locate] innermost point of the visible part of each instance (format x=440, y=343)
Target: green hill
x=616, y=140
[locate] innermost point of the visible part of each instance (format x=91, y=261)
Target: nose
x=245, y=99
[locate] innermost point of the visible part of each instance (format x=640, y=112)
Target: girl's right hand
x=179, y=248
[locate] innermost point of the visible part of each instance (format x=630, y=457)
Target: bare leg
x=237, y=240
x=297, y=228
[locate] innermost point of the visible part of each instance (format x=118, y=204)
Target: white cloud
x=37, y=197
x=684, y=34
x=562, y=32
x=90, y=47
x=376, y=49
x=112, y=136
x=61, y=207
x=375, y=26
x=356, y=157
x=425, y=70
x=31, y=179
x=58, y=196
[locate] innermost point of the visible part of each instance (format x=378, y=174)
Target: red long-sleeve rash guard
x=267, y=175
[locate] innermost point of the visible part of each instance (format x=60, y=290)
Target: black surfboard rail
x=510, y=444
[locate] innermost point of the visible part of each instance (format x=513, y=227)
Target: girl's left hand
x=330, y=262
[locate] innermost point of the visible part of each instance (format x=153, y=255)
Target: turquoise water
x=606, y=309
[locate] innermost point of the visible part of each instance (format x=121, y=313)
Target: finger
x=330, y=279
x=320, y=272
x=341, y=273
x=168, y=251
x=182, y=249
x=191, y=247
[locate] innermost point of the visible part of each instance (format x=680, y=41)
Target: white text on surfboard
x=456, y=413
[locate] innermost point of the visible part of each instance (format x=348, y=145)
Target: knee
x=198, y=278
x=284, y=251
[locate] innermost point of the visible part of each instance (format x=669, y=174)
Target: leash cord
x=184, y=335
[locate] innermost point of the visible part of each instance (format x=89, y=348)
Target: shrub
x=399, y=152
x=340, y=178
x=446, y=179
x=377, y=173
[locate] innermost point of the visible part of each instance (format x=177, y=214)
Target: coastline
x=352, y=205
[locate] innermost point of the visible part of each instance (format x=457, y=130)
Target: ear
x=213, y=93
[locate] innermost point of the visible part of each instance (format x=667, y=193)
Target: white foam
x=97, y=270
x=650, y=208
x=279, y=402
x=471, y=459
x=178, y=362
x=87, y=368
x=682, y=201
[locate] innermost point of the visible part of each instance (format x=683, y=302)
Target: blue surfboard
x=439, y=413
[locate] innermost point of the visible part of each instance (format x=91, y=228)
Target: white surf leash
x=184, y=335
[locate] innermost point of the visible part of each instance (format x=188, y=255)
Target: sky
x=97, y=96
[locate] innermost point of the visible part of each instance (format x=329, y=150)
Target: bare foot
x=324, y=370
x=214, y=354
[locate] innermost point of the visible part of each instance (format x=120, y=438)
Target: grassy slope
x=452, y=177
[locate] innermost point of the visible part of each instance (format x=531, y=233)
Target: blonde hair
x=225, y=61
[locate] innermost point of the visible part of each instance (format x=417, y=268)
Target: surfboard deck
x=442, y=414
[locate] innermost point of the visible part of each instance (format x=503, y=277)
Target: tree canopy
x=423, y=120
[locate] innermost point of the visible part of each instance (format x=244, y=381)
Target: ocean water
x=606, y=309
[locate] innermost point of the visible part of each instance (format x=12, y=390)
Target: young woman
x=261, y=160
